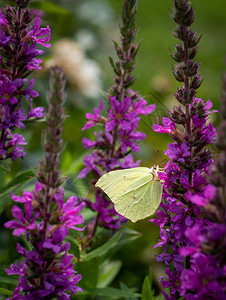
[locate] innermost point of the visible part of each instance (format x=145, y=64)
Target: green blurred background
x=82, y=34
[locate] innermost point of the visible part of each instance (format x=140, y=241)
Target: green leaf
x=115, y=45
x=127, y=236
x=108, y=273
x=102, y=250
x=128, y=65
x=15, y=185
x=49, y=7
x=74, y=245
x=147, y=292
x=89, y=270
x=130, y=82
x=8, y=280
x=16, y=181
x=5, y=292
x=111, y=292
x=167, y=291
x=5, y=167
x=113, y=66
x=69, y=165
x=160, y=297
x=125, y=288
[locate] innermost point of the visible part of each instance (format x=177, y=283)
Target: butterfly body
x=135, y=192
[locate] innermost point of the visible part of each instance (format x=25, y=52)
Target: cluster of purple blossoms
x=180, y=216
x=112, y=146
x=48, y=269
x=206, y=277
x=19, y=39
x=186, y=233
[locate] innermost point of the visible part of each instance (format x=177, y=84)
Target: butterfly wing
x=114, y=182
x=140, y=198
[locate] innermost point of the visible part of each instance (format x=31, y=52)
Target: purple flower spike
x=113, y=145
x=18, y=51
x=192, y=214
x=48, y=269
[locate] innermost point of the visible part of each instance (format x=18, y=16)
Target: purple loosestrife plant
x=20, y=34
x=206, y=279
x=186, y=189
x=47, y=271
x=113, y=145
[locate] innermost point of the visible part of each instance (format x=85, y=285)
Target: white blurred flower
x=82, y=73
x=161, y=84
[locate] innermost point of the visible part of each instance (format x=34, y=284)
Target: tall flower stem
x=186, y=189
x=47, y=271
x=113, y=146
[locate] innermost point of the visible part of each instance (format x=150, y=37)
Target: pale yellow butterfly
x=135, y=192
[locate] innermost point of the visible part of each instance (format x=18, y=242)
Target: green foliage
x=111, y=293
x=98, y=270
x=126, y=289
x=49, y=7
x=103, y=263
x=6, y=292
x=108, y=272
x=16, y=185
x=147, y=292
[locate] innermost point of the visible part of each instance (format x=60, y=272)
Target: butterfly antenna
x=155, y=156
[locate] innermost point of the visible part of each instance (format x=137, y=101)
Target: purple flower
x=140, y=108
x=34, y=64
x=128, y=137
x=90, y=163
x=4, y=40
x=87, y=143
x=22, y=223
x=108, y=217
x=30, y=92
x=27, y=197
x=14, y=119
x=202, y=279
x=172, y=281
x=93, y=118
x=7, y=90
x=168, y=126
x=128, y=162
x=40, y=36
x=70, y=216
x=178, y=152
x=37, y=112
x=119, y=114
x=3, y=20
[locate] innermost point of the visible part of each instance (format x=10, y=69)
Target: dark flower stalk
x=47, y=271
x=113, y=146
x=208, y=242
x=186, y=190
x=18, y=52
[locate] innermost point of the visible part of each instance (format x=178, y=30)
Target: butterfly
x=135, y=192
